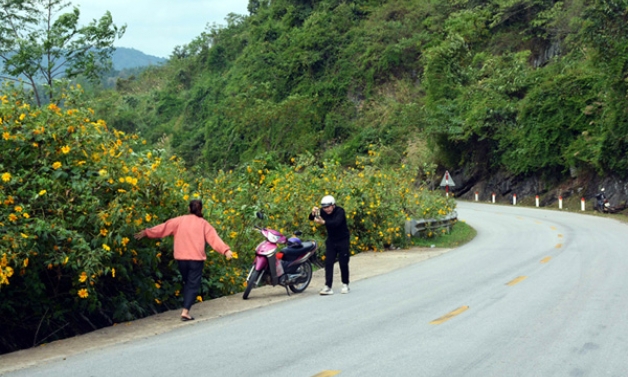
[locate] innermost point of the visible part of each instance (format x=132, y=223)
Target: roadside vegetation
x=459, y=234
x=362, y=100
x=74, y=191
x=523, y=86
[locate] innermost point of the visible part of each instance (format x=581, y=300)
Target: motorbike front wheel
x=251, y=282
x=306, y=270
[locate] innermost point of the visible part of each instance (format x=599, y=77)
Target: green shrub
x=72, y=195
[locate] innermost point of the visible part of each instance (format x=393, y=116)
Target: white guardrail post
x=582, y=204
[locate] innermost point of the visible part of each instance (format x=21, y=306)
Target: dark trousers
x=340, y=250
x=191, y=272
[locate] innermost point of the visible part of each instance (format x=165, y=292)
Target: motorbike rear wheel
x=251, y=282
x=305, y=268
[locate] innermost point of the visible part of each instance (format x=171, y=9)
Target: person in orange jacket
x=191, y=232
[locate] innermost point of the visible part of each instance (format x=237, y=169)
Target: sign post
x=446, y=182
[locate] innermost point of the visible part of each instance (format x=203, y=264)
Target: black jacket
x=336, y=224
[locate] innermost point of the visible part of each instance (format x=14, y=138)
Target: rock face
x=505, y=185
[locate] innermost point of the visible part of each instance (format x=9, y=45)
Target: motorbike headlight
x=273, y=237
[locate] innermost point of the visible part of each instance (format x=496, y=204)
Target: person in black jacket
x=601, y=199
x=337, y=243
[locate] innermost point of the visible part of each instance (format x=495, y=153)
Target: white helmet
x=327, y=201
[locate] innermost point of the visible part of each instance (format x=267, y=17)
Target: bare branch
x=11, y=78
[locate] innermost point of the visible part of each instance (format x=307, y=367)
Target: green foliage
x=72, y=195
x=377, y=200
x=459, y=234
x=557, y=102
x=291, y=78
x=36, y=44
x=73, y=192
x=519, y=85
x=554, y=123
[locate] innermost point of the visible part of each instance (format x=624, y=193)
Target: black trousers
x=337, y=250
x=191, y=272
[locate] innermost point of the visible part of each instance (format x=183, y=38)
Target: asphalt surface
x=362, y=266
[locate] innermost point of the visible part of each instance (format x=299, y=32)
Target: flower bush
x=377, y=201
x=73, y=192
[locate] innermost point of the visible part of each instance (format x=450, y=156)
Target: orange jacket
x=190, y=235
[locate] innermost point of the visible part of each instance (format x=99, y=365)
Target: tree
x=40, y=44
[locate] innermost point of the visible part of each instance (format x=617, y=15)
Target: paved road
x=537, y=293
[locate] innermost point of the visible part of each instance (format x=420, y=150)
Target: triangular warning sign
x=447, y=180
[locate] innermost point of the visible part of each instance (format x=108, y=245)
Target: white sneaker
x=326, y=291
x=345, y=288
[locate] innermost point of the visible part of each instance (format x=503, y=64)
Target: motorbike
x=289, y=266
x=605, y=207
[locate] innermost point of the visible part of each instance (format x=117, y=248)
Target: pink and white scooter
x=290, y=267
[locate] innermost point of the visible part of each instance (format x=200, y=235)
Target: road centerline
x=327, y=373
x=449, y=315
x=516, y=280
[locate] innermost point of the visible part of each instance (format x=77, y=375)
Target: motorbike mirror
x=259, y=215
x=298, y=233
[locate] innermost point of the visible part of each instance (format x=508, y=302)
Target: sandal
x=185, y=319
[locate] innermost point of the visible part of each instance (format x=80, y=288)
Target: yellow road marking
x=519, y=217
x=517, y=280
x=558, y=245
x=546, y=259
x=449, y=316
x=538, y=222
x=560, y=236
x=552, y=227
x=327, y=373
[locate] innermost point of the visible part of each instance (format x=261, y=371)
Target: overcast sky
x=155, y=27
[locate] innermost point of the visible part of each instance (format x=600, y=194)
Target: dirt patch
x=362, y=266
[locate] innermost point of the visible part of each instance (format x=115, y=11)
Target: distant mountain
x=127, y=58
x=124, y=58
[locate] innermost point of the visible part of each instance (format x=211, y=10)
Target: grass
x=460, y=234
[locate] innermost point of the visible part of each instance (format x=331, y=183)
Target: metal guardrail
x=419, y=227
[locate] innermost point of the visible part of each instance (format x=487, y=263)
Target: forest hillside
x=523, y=86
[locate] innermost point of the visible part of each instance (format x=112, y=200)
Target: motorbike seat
x=298, y=250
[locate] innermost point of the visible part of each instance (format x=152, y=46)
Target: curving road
x=537, y=293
